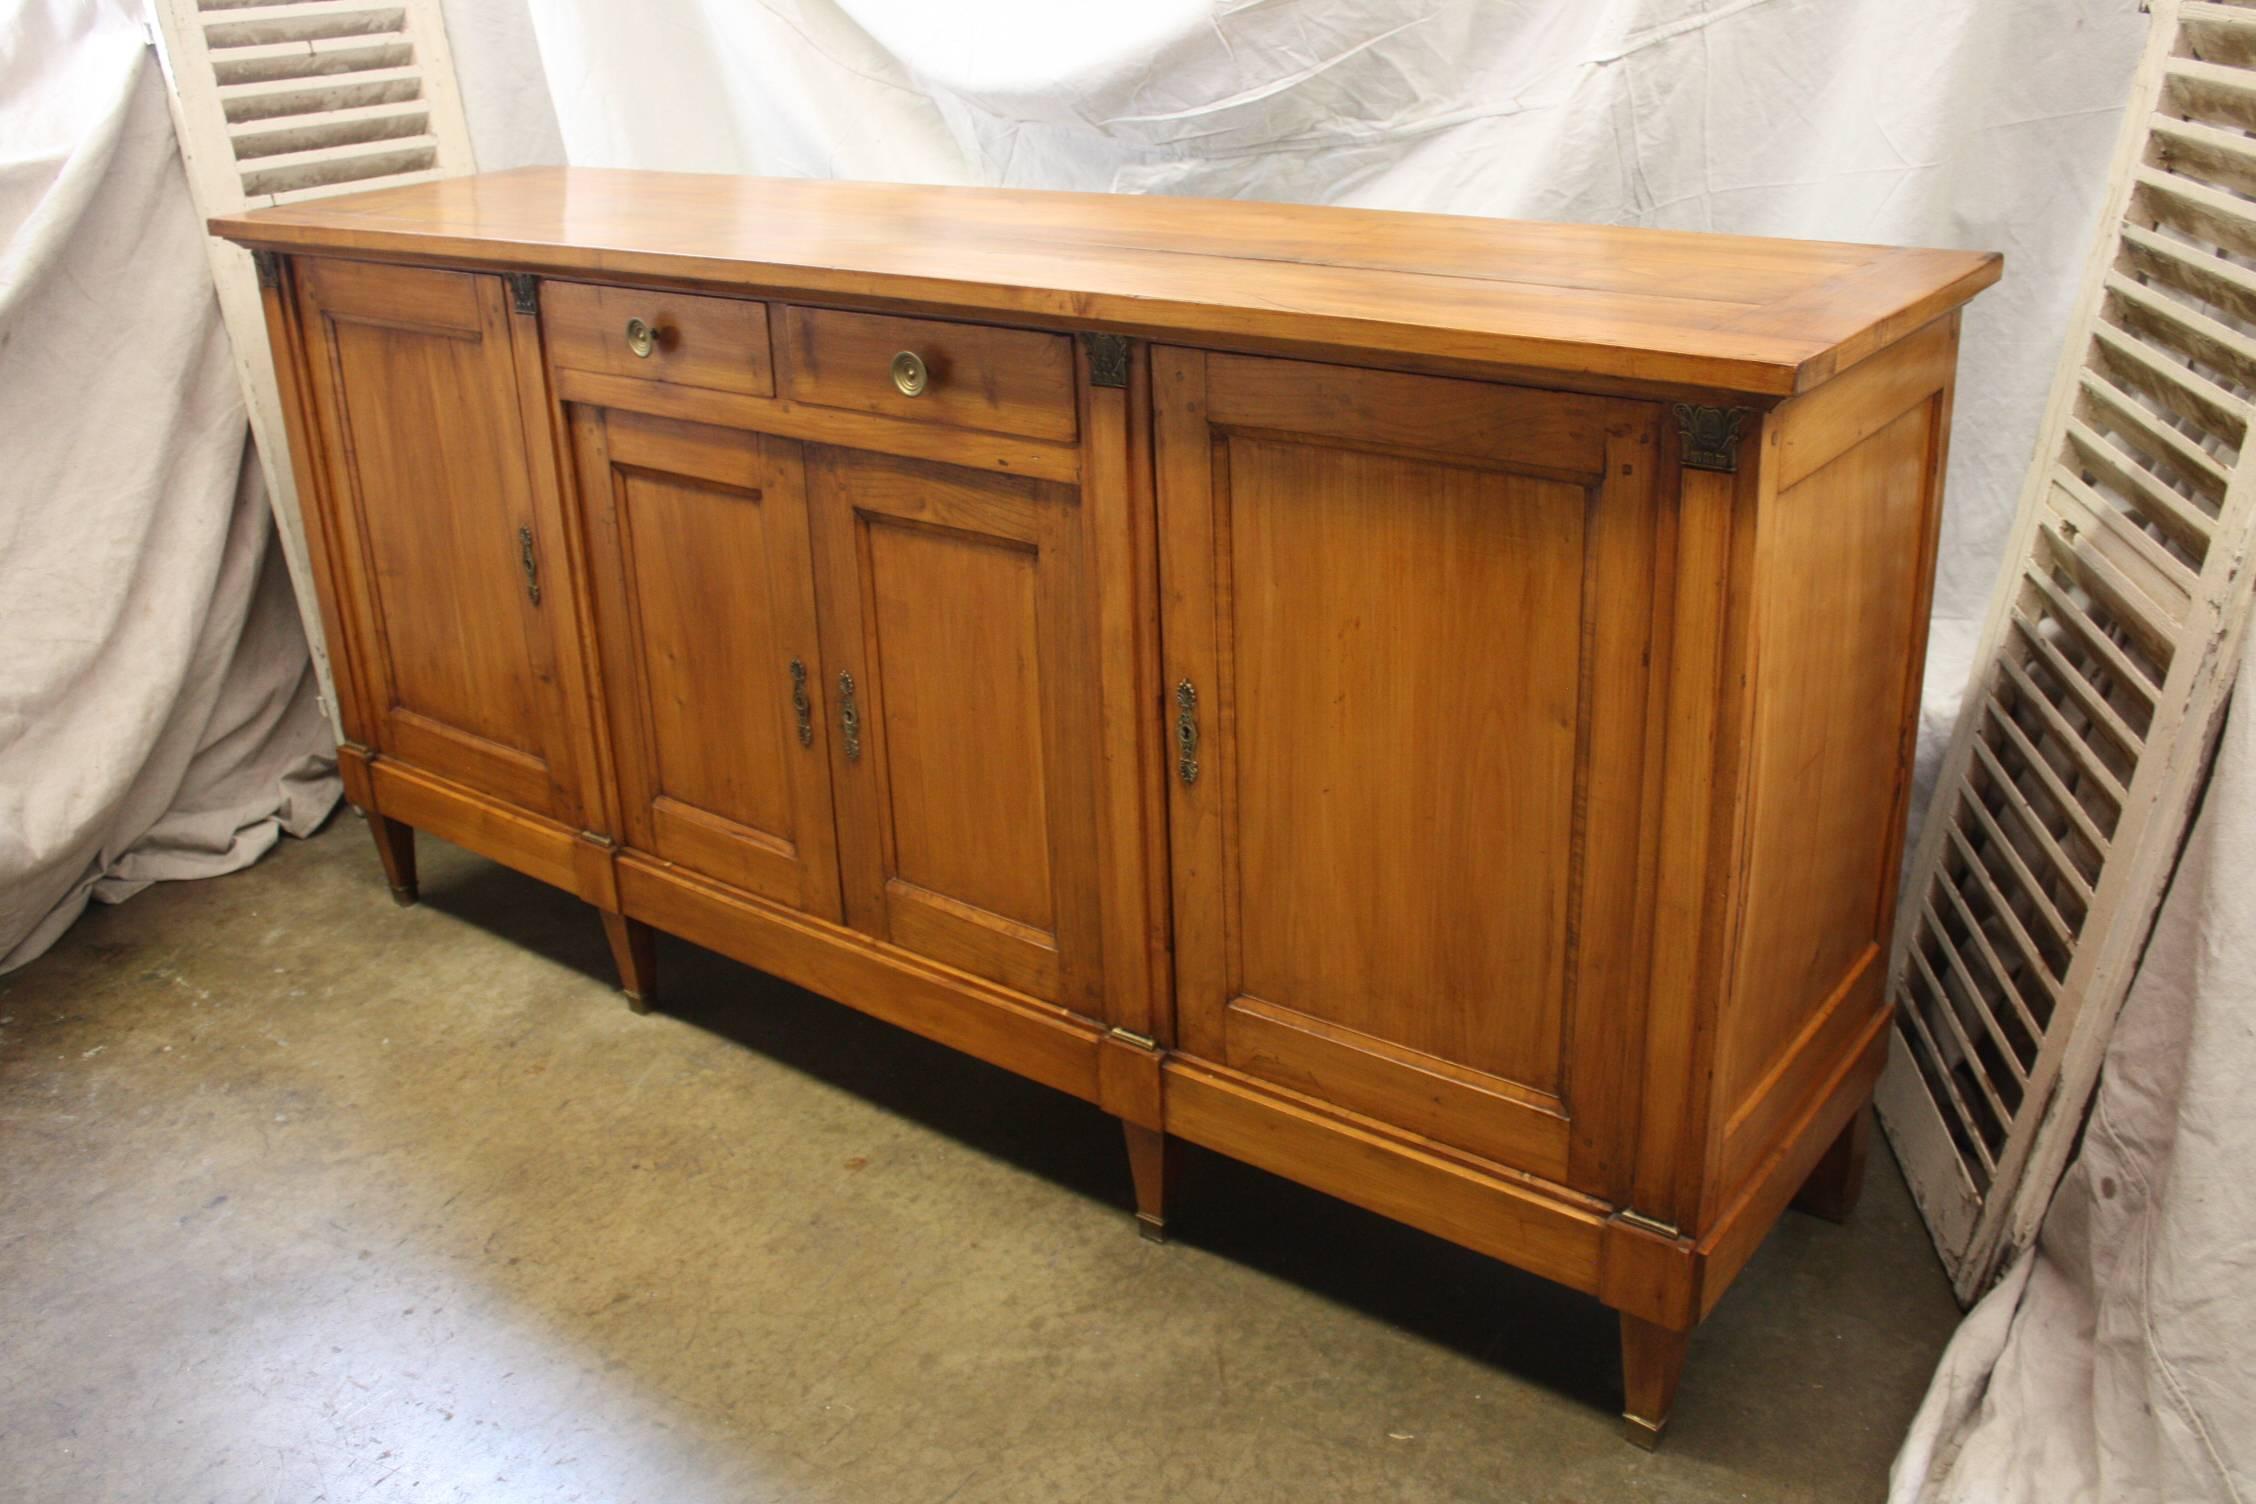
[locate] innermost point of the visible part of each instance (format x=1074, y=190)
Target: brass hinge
x=802, y=705
x=524, y=291
x=529, y=561
x=849, y=718
x=1710, y=436
x=1644, y=1223
x=1186, y=732
x=1140, y=1041
x=269, y=266
x=1108, y=359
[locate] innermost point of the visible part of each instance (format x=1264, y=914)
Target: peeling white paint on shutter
x=2103, y=674
x=277, y=103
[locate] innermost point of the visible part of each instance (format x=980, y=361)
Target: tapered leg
x=1152, y=1160
x=395, y=848
x=1652, y=1362
x=634, y=950
x=1838, y=1179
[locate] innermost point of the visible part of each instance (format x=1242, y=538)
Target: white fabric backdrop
x=1932, y=122
x=2113, y=1362
x=2117, y=1369
x=504, y=93
x=157, y=711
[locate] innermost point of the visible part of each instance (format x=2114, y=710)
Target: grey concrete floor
x=306, y=1197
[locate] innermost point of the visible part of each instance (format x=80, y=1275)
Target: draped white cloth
x=157, y=704
x=2117, y=1359
x=2114, y=1366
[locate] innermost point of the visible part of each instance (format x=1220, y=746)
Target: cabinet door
x=705, y=612
x=1405, y=622
x=445, y=546
x=959, y=659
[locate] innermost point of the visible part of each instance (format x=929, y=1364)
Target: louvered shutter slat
x=280, y=102
x=2103, y=670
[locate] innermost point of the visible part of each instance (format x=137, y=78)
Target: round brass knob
x=909, y=373
x=642, y=337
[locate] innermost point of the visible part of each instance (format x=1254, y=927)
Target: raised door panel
x=1407, y=622
x=705, y=613
x=957, y=642
x=415, y=390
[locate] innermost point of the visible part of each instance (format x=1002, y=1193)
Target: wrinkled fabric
x=2117, y=1359
x=504, y=94
x=1919, y=122
x=158, y=716
x=2113, y=1363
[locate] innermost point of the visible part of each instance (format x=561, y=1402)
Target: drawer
x=1002, y=380
x=719, y=343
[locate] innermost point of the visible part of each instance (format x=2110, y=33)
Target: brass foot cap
x=637, y=1003
x=1154, y=1229
x=404, y=897
x=1642, y=1433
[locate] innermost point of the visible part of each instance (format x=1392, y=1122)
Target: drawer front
x=718, y=343
x=1002, y=380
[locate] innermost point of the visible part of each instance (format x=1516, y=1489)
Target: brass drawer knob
x=642, y=337
x=909, y=373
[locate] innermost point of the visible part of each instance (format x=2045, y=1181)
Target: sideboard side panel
x=1844, y=569
x=287, y=336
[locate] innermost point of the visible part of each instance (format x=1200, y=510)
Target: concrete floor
x=307, y=1197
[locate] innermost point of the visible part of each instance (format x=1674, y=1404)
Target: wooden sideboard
x=1421, y=705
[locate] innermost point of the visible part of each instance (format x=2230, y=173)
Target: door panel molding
x=955, y=601
x=704, y=599
x=1540, y=500
x=457, y=644
x=1423, y=1093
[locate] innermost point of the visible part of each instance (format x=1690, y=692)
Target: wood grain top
x=1672, y=307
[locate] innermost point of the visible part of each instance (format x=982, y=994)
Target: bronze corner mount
x=1108, y=359
x=1710, y=435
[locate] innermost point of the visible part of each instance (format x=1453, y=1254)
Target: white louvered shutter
x=277, y=103
x=2103, y=673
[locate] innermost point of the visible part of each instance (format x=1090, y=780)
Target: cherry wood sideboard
x=1421, y=705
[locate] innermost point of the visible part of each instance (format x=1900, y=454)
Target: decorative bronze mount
x=524, y=291
x=1710, y=436
x=1108, y=359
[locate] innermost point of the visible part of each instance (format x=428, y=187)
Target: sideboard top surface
x=1670, y=307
